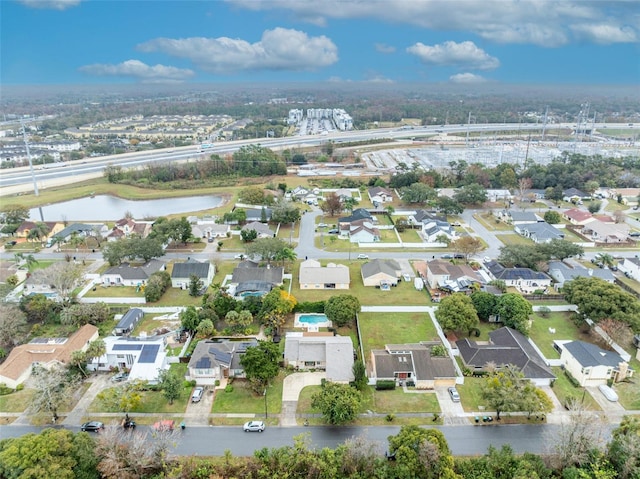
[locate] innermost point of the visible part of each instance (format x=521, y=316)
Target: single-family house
x=299, y=192
x=631, y=267
x=562, y=273
x=379, y=195
x=52, y=228
x=144, y=358
x=541, y=232
x=333, y=354
x=591, y=365
x=343, y=193
x=525, y=280
x=315, y=276
x=574, y=195
x=80, y=229
x=127, y=227
x=499, y=195
x=518, y=217
x=213, y=361
x=128, y=322
x=577, y=217
x=451, y=277
x=39, y=283
x=210, y=229
x=378, y=272
x=182, y=273
x=432, y=225
x=356, y=215
x=360, y=231
x=258, y=214
x=606, y=232
x=249, y=279
x=533, y=194
x=412, y=363
x=127, y=275
x=506, y=347
x=46, y=352
x=261, y=229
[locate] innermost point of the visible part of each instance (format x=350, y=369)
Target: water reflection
x=109, y=208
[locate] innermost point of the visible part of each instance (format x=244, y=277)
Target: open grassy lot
x=171, y=297
x=17, y=401
x=489, y=221
x=564, y=329
x=410, y=236
x=115, y=292
x=564, y=390
x=378, y=329
x=404, y=293
x=514, y=238
x=470, y=395
x=243, y=400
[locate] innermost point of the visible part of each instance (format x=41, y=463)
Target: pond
x=110, y=208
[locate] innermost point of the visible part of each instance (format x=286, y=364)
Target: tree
x=524, y=184
x=156, y=286
x=514, y=311
x=285, y=212
x=594, y=206
x=484, y=303
x=448, y=206
x=559, y=249
x=267, y=248
x=421, y=452
x=195, y=285
x=38, y=232
x=468, y=246
x=456, y=313
x=53, y=453
x=605, y=259
x=338, y=403
x=124, y=398
x=506, y=390
x=96, y=349
x=360, y=375
x=473, y=194
x=260, y=364
x=623, y=451
x=39, y=309
x=254, y=195
x=85, y=313
x=14, y=214
x=53, y=387
x=286, y=254
x=171, y=384
x=618, y=331
x=275, y=306
x=520, y=255
x=597, y=299
x=331, y=204
x=349, y=203
x=13, y=324
x=189, y=319
x=418, y=193
x=342, y=309
x=248, y=235
x=63, y=276
x=239, y=321
x=206, y=328
x=579, y=437
x=552, y=217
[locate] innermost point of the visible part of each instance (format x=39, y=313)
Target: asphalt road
x=463, y=440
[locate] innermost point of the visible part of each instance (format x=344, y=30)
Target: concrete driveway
x=608, y=407
x=292, y=385
x=452, y=412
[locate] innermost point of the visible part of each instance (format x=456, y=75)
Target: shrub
x=544, y=311
x=4, y=389
x=574, y=382
x=390, y=417
x=217, y=383
x=385, y=384
x=20, y=387
x=228, y=388
x=309, y=307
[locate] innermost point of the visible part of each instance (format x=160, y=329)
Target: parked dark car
x=128, y=424
x=334, y=231
x=92, y=426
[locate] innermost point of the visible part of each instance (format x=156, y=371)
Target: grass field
x=564, y=329
x=378, y=329
x=490, y=222
x=511, y=239
x=243, y=400
x=564, y=390
x=17, y=401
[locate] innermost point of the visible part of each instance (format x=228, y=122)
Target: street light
x=265, y=403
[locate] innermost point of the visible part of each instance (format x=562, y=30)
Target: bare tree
x=582, y=433
x=618, y=331
x=523, y=185
x=12, y=325
x=53, y=387
x=63, y=276
x=361, y=456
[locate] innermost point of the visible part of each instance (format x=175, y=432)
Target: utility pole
x=544, y=126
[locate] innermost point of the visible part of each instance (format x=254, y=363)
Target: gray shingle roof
x=375, y=266
x=271, y=275
x=414, y=358
x=142, y=273
x=589, y=355
x=191, y=267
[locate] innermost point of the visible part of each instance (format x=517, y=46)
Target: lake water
x=110, y=208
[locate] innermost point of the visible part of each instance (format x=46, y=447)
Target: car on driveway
x=92, y=426
x=447, y=256
x=363, y=256
x=120, y=377
x=334, y=231
x=322, y=225
x=253, y=426
x=453, y=392
x=197, y=394
x=238, y=256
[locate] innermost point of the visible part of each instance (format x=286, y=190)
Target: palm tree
x=30, y=261
x=605, y=259
x=39, y=231
x=286, y=254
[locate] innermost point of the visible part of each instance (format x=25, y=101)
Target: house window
x=309, y=363
x=585, y=371
x=609, y=372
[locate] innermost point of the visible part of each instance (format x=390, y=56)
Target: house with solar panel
x=525, y=280
x=144, y=358
x=213, y=361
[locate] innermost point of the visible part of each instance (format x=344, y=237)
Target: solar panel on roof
x=221, y=356
x=127, y=347
x=203, y=363
x=149, y=353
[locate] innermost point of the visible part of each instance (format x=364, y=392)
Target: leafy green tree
x=124, y=398
x=256, y=160
x=552, y=217
x=248, y=235
x=418, y=193
x=605, y=259
x=514, y=311
x=594, y=206
x=421, y=452
x=260, y=364
x=38, y=232
x=195, y=285
x=14, y=214
x=559, y=249
x=360, y=375
x=171, y=384
x=80, y=314
x=457, y=313
x=205, y=328
x=521, y=255
x=39, y=309
x=468, y=246
x=597, y=299
x=485, y=304
x=350, y=203
x=502, y=390
x=267, y=248
x=285, y=212
x=239, y=321
x=448, y=206
x=473, y=194
x=339, y=403
x=53, y=453
x=189, y=319
x=342, y=309
x=156, y=286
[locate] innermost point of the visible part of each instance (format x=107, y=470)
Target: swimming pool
x=305, y=320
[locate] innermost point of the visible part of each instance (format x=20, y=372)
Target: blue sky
x=379, y=41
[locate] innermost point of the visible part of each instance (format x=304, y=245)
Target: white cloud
x=605, y=34
x=140, y=71
x=466, y=78
x=540, y=22
x=51, y=4
x=278, y=49
x=464, y=54
x=382, y=48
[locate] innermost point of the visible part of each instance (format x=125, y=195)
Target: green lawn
x=470, y=394
x=378, y=329
x=511, y=239
x=243, y=400
x=404, y=293
x=564, y=329
x=17, y=401
x=564, y=390
x=489, y=221
x=629, y=392
x=114, y=292
x=171, y=297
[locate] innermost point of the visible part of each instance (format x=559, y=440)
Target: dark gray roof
x=142, y=273
x=414, y=358
x=185, y=270
x=74, y=228
x=226, y=354
x=424, y=216
x=589, y=355
x=245, y=286
x=562, y=272
x=357, y=214
x=255, y=214
x=507, y=347
x=541, y=230
x=130, y=318
x=244, y=274
x=500, y=272
x=523, y=216
x=575, y=192
x=375, y=266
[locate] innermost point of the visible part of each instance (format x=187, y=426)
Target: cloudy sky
x=383, y=41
